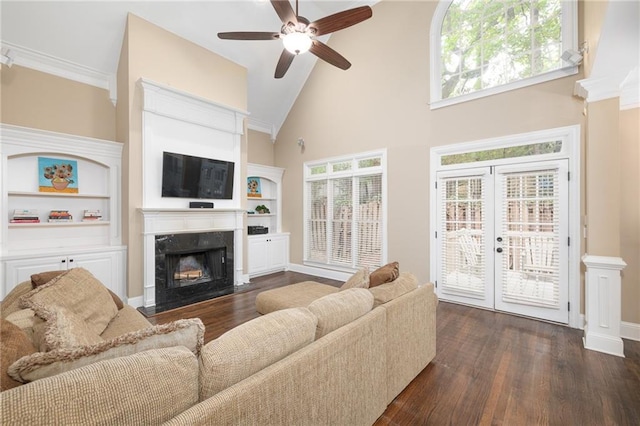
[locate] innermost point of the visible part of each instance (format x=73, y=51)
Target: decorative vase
x=59, y=184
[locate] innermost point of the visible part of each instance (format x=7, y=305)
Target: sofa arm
x=149, y=387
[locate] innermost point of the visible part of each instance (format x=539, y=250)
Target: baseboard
x=319, y=272
x=629, y=330
x=136, y=302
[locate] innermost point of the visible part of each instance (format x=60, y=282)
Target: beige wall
x=156, y=54
x=382, y=102
x=260, y=148
x=630, y=213
x=43, y=101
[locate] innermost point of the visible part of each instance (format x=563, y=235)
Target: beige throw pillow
x=44, y=277
x=64, y=329
x=186, y=332
x=80, y=293
x=358, y=280
x=338, y=309
x=15, y=345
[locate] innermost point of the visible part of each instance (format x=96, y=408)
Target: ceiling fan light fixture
x=297, y=42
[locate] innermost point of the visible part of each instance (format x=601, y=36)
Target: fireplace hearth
x=192, y=267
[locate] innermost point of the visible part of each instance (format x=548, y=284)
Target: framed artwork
x=253, y=187
x=57, y=175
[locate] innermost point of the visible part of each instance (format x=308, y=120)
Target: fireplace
x=192, y=267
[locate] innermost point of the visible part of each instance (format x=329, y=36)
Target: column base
x=603, y=343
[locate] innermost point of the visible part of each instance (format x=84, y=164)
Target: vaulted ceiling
x=90, y=33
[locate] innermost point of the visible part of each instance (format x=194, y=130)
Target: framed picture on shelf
x=57, y=175
x=253, y=187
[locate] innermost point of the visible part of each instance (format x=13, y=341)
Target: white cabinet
x=107, y=266
x=26, y=248
x=268, y=253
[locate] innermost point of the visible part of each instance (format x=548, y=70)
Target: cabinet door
x=257, y=252
x=278, y=252
x=21, y=270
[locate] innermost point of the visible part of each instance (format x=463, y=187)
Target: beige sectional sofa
x=339, y=360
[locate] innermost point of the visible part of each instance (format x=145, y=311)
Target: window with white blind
x=344, y=209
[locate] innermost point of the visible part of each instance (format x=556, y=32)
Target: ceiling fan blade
x=249, y=35
x=329, y=55
x=283, y=63
x=285, y=11
x=341, y=20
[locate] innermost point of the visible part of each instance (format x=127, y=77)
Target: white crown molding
x=623, y=85
x=42, y=62
x=262, y=126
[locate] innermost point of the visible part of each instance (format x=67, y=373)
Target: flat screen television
x=187, y=176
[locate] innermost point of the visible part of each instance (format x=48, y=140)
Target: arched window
x=483, y=47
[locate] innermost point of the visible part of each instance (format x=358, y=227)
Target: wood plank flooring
x=490, y=368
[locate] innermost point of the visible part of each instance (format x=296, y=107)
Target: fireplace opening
x=192, y=268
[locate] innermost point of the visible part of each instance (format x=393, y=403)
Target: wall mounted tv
x=187, y=176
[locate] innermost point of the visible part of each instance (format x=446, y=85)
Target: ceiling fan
x=299, y=35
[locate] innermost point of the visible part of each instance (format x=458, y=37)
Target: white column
x=603, y=304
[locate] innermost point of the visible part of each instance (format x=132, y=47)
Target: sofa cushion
x=358, y=280
x=26, y=320
x=42, y=278
x=79, y=292
x=11, y=302
x=187, y=332
x=297, y=295
x=335, y=310
x=147, y=388
x=252, y=346
x=384, y=274
x=15, y=345
x=389, y=291
x=127, y=320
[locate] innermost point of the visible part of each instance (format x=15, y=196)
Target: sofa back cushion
x=337, y=309
x=145, y=388
x=389, y=291
x=252, y=346
x=79, y=292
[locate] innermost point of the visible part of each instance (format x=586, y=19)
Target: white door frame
x=570, y=137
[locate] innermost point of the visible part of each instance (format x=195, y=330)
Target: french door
x=502, y=238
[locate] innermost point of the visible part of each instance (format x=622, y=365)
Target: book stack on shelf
x=92, y=215
x=25, y=216
x=59, y=216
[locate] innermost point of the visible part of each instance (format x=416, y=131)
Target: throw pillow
x=252, y=346
x=11, y=302
x=338, y=309
x=186, y=332
x=26, y=320
x=63, y=329
x=358, y=280
x=79, y=292
x=386, y=292
x=384, y=274
x=44, y=277
x=15, y=345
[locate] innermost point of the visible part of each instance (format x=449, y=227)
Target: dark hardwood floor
x=490, y=368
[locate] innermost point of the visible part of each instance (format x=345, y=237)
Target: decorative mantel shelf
x=163, y=221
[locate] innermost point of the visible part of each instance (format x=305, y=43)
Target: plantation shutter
x=461, y=235
x=531, y=238
x=316, y=213
x=341, y=221
x=368, y=221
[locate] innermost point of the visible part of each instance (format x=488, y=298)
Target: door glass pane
x=463, y=246
x=317, y=221
x=530, y=232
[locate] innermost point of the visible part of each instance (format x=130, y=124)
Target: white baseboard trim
x=319, y=272
x=136, y=302
x=630, y=330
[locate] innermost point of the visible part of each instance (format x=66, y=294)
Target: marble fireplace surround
x=179, y=221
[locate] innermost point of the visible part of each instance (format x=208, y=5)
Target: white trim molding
x=262, y=126
x=319, y=272
x=42, y=62
x=630, y=330
x=625, y=85
x=603, y=304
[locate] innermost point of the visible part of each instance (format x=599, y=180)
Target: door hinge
x=436, y=183
x=436, y=283
x=569, y=241
x=568, y=175
x=490, y=170
x=436, y=235
x=568, y=306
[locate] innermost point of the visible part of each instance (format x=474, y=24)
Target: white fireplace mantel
x=181, y=221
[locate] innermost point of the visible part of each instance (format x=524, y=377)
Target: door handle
x=499, y=239
x=499, y=249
